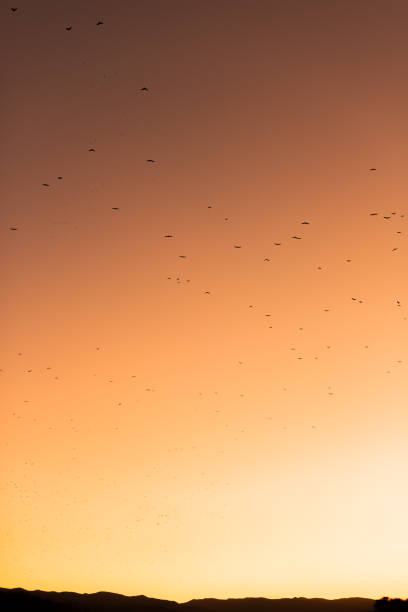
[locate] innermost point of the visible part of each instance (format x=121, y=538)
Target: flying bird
x=266, y=259
x=59, y=178
x=45, y=185
x=296, y=237
x=13, y=229
x=115, y=208
x=68, y=28
x=373, y=214
x=277, y=243
x=305, y=223
x=395, y=249
x=144, y=89
x=13, y=9
x=152, y=161
x=91, y=150
x=183, y=256
x=98, y=23
x=237, y=246
x=169, y=236
x=372, y=169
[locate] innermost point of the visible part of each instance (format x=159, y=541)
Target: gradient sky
x=160, y=439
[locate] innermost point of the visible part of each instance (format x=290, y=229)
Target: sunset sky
x=233, y=422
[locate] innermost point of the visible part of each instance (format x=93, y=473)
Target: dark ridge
x=286, y=604
x=12, y=600
x=391, y=605
x=47, y=601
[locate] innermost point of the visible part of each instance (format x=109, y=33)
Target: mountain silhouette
x=391, y=605
x=49, y=601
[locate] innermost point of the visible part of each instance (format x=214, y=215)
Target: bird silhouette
x=91, y=150
x=183, y=256
x=98, y=23
x=152, y=161
x=237, y=246
x=373, y=214
x=68, y=28
x=59, y=178
x=45, y=185
x=372, y=169
x=305, y=223
x=296, y=237
x=277, y=243
x=13, y=229
x=168, y=236
x=115, y=208
x=13, y=9
x=144, y=89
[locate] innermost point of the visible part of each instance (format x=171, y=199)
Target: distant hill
x=12, y=600
x=295, y=604
x=47, y=601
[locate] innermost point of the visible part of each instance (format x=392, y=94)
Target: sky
x=183, y=418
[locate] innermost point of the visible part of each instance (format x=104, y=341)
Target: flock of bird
x=52, y=373
x=179, y=280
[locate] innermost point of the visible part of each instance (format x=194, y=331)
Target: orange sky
x=156, y=438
